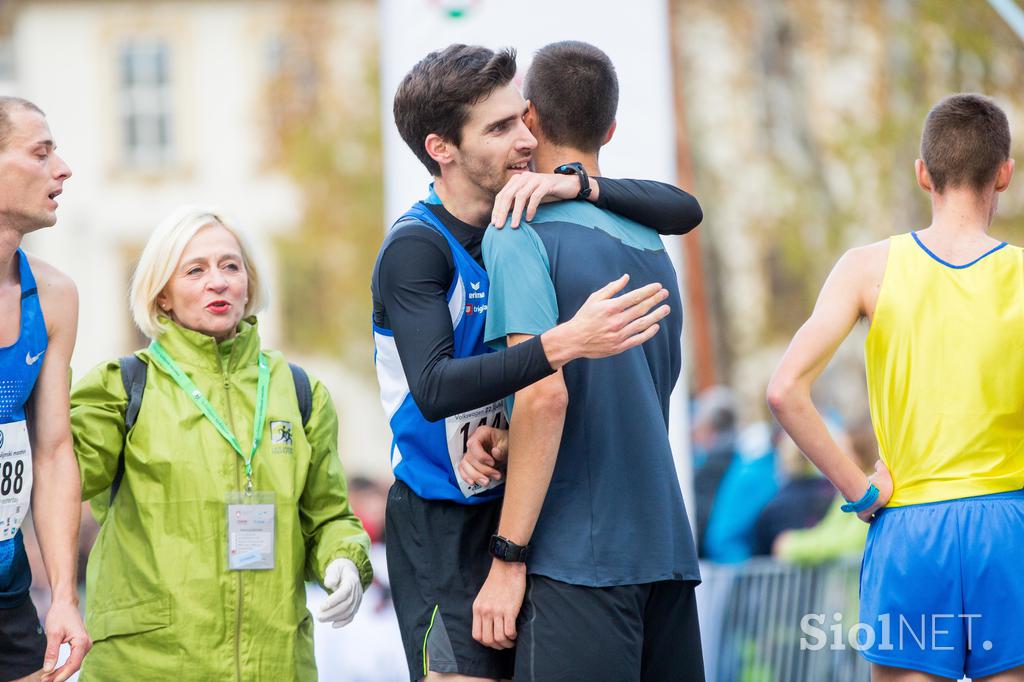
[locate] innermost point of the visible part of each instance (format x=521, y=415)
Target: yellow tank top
x=945, y=370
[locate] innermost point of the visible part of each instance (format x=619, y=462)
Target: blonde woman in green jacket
x=198, y=570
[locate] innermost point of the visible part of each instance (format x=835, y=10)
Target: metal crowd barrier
x=750, y=619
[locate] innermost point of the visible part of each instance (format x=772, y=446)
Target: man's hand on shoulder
x=527, y=191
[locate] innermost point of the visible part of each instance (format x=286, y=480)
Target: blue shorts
x=942, y=586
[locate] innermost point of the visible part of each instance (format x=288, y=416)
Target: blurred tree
x=805, y=118
x=323, y=104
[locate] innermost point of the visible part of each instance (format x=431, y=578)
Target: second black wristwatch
x=576, y=168
x=506, y=550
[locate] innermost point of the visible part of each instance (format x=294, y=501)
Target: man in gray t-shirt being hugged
x=593, y=530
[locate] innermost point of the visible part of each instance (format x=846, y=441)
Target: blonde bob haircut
x=162, y=253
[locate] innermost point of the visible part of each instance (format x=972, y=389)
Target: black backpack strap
x=133, y=376
x=303, y=392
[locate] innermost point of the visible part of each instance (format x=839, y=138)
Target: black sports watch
x=576, y=168
x=506, y=550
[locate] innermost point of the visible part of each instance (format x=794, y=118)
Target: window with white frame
x=7, y=63
x=144, y=78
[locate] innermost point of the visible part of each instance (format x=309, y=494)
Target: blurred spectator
x=804, y=498
x=715, y=418
x=838, y=534
x=747, y=486
x=368, y=499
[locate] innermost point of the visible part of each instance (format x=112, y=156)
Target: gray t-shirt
x=614, y=512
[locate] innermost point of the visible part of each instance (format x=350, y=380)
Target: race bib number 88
x=15, y=477
x=460, y=427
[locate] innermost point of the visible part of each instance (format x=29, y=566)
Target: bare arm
x=56, y=497
x=535, y=432
x=848, y=294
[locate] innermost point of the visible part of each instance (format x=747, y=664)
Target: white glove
x=342, y=579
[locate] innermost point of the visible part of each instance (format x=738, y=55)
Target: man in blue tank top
x=460, y=113
x=39, y=309
x=593, y=531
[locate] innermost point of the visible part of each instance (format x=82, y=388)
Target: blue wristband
x=870, y=496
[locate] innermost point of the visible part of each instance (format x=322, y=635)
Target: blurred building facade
x=157, y=104
x=802, y=119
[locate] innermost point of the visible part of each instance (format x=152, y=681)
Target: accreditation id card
x=250, y=530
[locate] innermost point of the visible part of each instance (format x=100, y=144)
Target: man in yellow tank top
x=941, y=583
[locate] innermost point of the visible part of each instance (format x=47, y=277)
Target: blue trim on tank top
x=28, y=290
x=454, y=245
x=950, y=265
x=431, y=221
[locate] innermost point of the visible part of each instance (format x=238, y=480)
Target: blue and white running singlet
x=19, y=369
x=425, y=455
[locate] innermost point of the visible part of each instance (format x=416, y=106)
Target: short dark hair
x=435, y=96
x=966, y=138
x=575, y=91
x=7, y=104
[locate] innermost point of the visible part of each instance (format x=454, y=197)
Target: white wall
x=634, y=35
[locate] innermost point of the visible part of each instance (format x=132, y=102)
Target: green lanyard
x=262, y=390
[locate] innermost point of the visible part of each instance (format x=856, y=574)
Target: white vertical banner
x=633, y=34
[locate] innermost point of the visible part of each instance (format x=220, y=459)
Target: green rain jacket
x=161, y=603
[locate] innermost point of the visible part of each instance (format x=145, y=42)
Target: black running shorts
x=22, y=642
x=437, y=562
x=627, y=633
